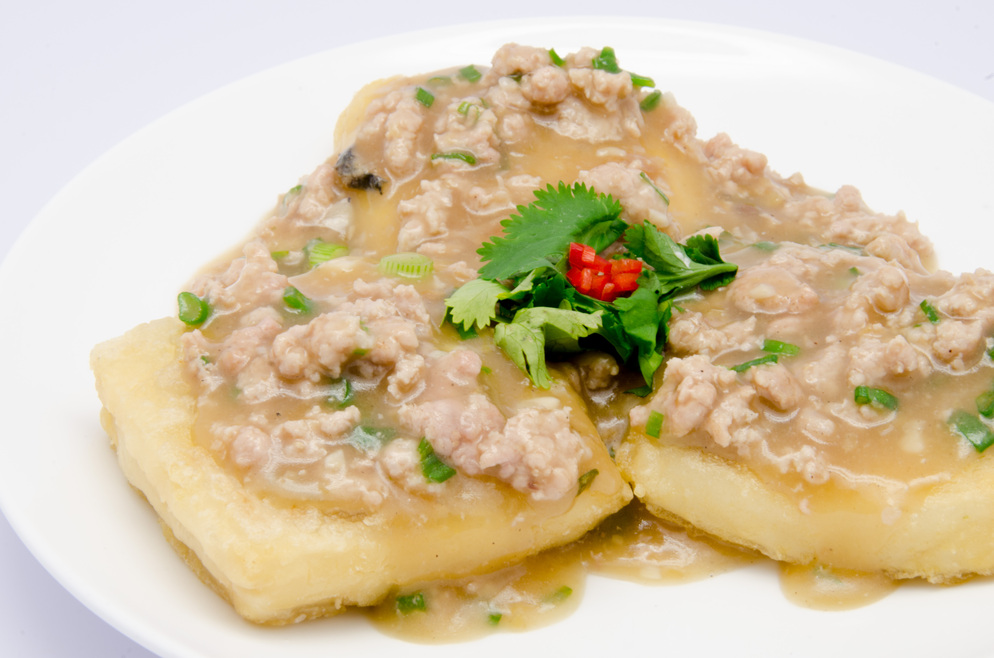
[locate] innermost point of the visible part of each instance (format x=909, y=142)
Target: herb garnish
x=524, y=293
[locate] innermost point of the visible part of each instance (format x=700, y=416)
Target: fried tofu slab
x=277, y=561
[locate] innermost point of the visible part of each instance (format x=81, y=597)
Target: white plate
x=112, y=249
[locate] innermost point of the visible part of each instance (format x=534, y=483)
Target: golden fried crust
x=279, y=562
x=942, y=533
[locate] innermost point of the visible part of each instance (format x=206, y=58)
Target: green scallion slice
x=340, y=393
x=766, y=245
x=408, y=265
x=433, y=468
x=560, y=595
x=779, y=347
x=424, y=96
x=641, y=80
x=586, y=480
x=494, y=618
x=290, y=195
x=370, y=438
x=470, y=73
x=742, y=367
x=606, y=61
x=875, y=396
x=848, y=247
x=296, y=300
x=318, y=251
x=985, y=404
x=556, y=59
x=654, y=426
x=408, y=603
x=439, y=81
x=192, y=309
x=930, y=311
x=468, y=158
x=972, y=429
x=651, y=101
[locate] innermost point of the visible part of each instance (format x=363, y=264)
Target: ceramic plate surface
x=113, y=248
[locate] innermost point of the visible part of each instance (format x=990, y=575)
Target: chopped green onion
x=463, y=108
x=318, y=251
x=742, y=367
x=290, y=195
x=930, y=312
x=470, y=73
x=340, y=393
x=439, y=80
x=279, y=255
x=556, y=59
x=985, y=404
x=408, y=265
x=468, y=158
x=433, y=468
x=972, y=429
x=559, y=595
x=494, y=618
x=586, y=480
x=409, y=603
x=847, y=247
x=641, y=80
x=644, y=176
x=296, y=300
x=779, y=347
x=651, y=101
x=766, y=245
x=424, y=96
x=854, y=271
x=654, y=426
x=874, y=396
x=606, y=61
x=192, y=309
x=369, y=438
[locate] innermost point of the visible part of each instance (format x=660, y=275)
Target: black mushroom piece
x=355, y=175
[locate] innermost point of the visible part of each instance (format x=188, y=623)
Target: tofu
x=280, y=561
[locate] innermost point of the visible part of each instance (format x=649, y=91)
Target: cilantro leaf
x=679, y=267
x=543, y=313
x=540, y=233
x=535, y=329
x=475, y=303
x=704, y=249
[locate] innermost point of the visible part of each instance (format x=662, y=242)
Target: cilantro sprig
x=541, y=232
x=524, y=294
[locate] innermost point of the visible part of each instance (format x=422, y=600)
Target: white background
x=76, y=78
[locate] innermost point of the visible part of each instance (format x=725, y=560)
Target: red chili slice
x=599, y=277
